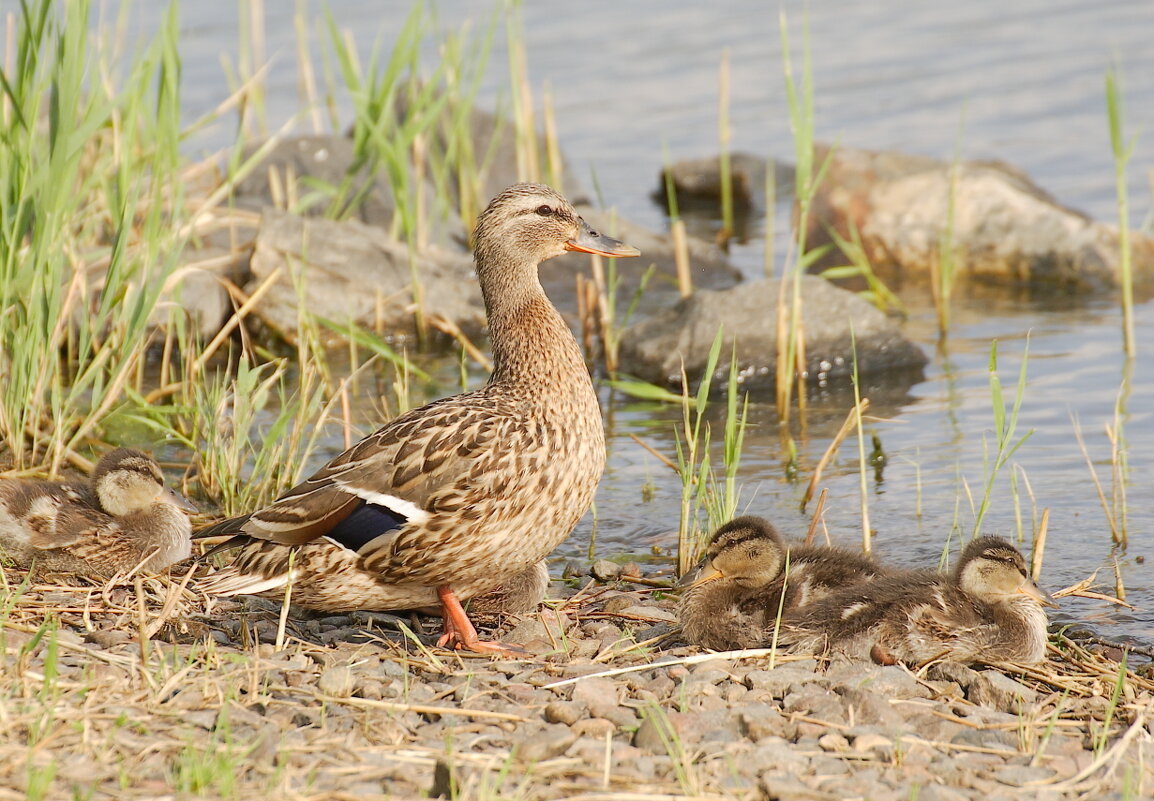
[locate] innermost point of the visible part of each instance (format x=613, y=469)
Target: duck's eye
x=545, y=211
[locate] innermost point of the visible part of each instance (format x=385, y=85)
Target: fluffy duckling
x=731, y=598
x=124, y=518
x=521, y=593
x=987, y=610
x=452, y=499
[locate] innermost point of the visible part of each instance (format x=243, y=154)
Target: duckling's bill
x=590, y=241
x=173, y=497
x=704, y=573
x=1038, y=594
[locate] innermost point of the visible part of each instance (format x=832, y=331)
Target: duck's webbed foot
x=460, y=634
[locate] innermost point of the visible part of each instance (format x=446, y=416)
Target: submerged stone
x=835, y=324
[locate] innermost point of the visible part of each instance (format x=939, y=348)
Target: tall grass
x=1122, y=150
x=1006, y=442
x=701, y=489
x=807, y=177
x=90, y=175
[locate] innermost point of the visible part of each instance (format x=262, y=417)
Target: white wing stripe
x=410, y=510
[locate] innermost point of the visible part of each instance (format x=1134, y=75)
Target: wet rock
x=354, y=272
x=655, y=348
x=197, y=288
x=698, y=182
x=1005, y=230
x=605, y=570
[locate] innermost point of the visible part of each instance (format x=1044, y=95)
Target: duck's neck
x=532, y=345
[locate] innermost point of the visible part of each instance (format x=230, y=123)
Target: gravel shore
x=611, y=705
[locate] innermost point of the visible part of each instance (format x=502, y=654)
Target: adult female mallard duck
x=731, y=598
x=456, y=498
x=124, y=518
x=987, y=610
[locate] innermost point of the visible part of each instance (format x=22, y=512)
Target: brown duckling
x=987, y=610
x=126, y=517
x=732, y=597
x=452, y=499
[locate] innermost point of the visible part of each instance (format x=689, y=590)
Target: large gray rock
x=1006, y=229
x=350, y=271
x=655, y=348
x=697, y=182
x=331, y=181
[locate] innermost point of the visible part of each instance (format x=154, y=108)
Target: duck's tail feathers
x=222, y=528
x=235, y=582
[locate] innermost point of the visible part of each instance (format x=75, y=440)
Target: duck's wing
x=54, y=515
x=856, y=609
x=818, y=572
x=366, y=494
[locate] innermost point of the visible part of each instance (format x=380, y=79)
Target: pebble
x=594, y=727
x=833, y=742
x=605, y=570
x=1001, y=692
x=552, y=742
x=338, y=682
x=759, y=722
x=566, y=712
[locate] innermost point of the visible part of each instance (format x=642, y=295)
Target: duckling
x=126, y=517
x=732, y=597
x=987, y=610
x=521, y=593
x=451, y=500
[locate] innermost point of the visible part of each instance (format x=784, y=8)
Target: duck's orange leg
x=459, y=632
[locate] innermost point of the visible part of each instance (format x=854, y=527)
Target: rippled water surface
x=1021, y=82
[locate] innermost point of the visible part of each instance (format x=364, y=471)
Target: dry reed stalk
x=1039, y=545
x=818, y=514
x=853, y=418
x=681, y=257
x=553, y=158
x=1115, y=534
x=665, y=460
x=447, y=326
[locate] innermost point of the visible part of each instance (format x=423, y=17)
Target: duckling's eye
x=545, y=211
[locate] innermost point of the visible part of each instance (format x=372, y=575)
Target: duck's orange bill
x=590, y=241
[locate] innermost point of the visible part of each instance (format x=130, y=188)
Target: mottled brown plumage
x=731, y=598
x=453, y=499
x=987, y=610
x=124, y=518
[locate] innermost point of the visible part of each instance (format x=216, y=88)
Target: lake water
x=1022, y=82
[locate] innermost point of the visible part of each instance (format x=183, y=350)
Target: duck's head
x=746, y=551
x=992, y=569
x=129, y=481
x=529, y=223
